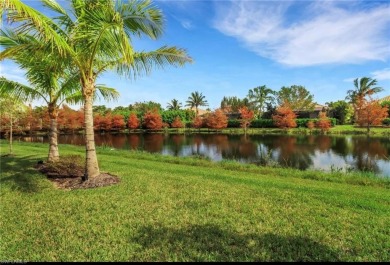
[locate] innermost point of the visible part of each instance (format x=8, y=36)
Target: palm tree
x=259, y=97
x=95, y=36
x=174, y=105
x=195, y=100
x=51, y=80
x=364, y=87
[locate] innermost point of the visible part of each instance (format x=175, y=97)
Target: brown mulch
x=72, y=179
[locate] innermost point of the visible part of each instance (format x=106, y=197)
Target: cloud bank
x=305, y=33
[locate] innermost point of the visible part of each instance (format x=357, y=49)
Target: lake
x=319, y=152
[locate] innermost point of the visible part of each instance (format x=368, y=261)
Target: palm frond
x=36, y=23
x=19, y=91
x=143, y=62
x=141, y=18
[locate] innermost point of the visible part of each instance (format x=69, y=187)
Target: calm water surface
x=302, y=152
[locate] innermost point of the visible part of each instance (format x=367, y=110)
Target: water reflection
x=302, y=152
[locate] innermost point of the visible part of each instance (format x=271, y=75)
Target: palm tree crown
x=366, y=86
x=195, y=100
x=174, y=105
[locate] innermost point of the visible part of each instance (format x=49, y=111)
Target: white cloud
x=308, y=33
x=383, y=74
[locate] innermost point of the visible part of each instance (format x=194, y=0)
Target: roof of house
x=317, y=107
x=200, y=111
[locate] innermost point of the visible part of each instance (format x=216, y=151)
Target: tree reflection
x=367, y=151
x=153, y=142
x=133, y=141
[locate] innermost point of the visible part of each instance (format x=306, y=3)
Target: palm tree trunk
x=53, y=138
x=10, y=135
x=91, y=162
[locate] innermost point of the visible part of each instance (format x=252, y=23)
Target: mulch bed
x=72, y=179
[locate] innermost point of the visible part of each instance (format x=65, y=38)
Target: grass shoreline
x=186, y=209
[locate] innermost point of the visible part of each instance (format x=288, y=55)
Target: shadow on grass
x=18, y=173
x=211, y=243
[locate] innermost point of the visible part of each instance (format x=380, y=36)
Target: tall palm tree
x=364, y=87
x=195, y=100
x=259, y=97
x=174, y=105
x=95, y=36
x=51, y=80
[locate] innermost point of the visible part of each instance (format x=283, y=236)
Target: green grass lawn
x=187, y=209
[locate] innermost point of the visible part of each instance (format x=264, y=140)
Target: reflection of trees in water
x=367, y=151
x=153, y=142
x=119, y=141
x=340, y=146
x=175, y=143
x=134, y=141
x=290, y=151
x=103, y=139
x=323, y=143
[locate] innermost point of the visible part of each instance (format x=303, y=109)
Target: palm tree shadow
x=25, y=179
x=211, y=243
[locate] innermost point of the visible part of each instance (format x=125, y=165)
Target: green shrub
x=386, y=122
x=262, y=123
x=233, y=123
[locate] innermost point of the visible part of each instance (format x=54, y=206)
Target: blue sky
x=241, y=44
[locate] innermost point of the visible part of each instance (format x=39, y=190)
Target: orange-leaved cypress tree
x=370, y=113
x=323, y=122
x=133, y=122
x=284, y=117
x=217, y=120
x=177, y=123
x=247, y=116
x=153, y=120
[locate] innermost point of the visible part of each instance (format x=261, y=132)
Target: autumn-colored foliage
x=102, y=123
x=118, y=122
x=371, y=113
x=133, y=122
x=69, y=119
x=152, y=120
x=310, y=125
x=217, y=120
x=177, y=123
x=198, y=122
x=323, y=122
x=284, y=117
x=246, y=117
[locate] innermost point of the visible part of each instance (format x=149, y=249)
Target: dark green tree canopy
x=234, y=103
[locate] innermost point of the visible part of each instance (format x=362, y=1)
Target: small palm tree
x=364, y=87
x=174, y=105
x=95, y=36
x=195, y=100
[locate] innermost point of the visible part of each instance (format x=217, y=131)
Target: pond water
x=319, y=152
